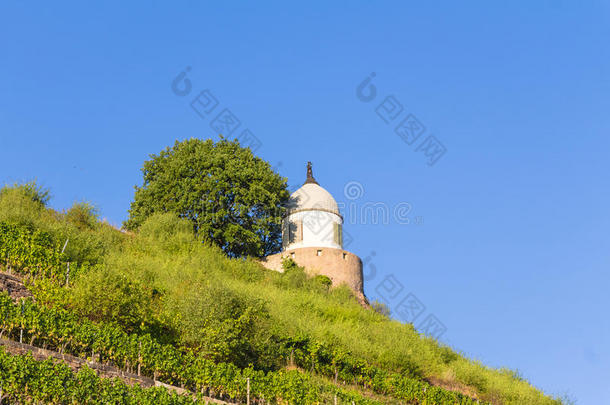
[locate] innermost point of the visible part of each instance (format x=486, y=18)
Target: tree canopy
x=232, y=198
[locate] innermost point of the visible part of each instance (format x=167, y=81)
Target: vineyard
x=58, y=329
x=25, y=380
x=34, y=253
x=29, y=251
x=313, y=370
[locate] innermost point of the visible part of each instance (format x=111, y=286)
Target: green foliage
x=60, y=330
x=84, y=215
x=380, y=308
x=199, y=317
x=323, y=281
x=288, y=264
x=89, y=240
x=107, y=294
x=230, y=197
x=448, y=355
x=168, y=232
x=219, y=323
x=165, y=226
x=31, y=190
x=30, y=251
x=293, y=276
x=17, y=206
x=25, y=380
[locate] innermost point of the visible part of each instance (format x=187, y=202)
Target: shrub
x=380, y=308
x=31, y=190
x=84, y=215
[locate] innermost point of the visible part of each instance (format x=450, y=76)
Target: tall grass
x=163, y=279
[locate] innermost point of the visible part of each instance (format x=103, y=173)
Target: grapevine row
x=25, y=380
x=35, y=252
x=29, y=250
x=60, y=330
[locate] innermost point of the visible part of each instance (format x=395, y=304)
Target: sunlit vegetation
x=165, y=300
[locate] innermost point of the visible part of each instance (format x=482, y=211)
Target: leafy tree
x=232, y=198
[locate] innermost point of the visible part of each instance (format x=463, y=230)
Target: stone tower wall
x=341, y=266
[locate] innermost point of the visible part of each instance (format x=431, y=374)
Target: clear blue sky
x=513, y=251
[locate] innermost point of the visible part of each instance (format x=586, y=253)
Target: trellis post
x=139, y=357
x=68, y=274
x=21, y=329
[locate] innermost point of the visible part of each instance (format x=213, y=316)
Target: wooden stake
x=139, y=357
x=68, y=274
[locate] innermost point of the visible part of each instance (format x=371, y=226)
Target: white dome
x=312, y=197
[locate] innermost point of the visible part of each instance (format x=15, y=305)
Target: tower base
x=341, y=266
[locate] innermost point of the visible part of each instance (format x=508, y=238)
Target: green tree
x=233, y=198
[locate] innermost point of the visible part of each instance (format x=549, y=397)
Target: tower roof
x=311, y=196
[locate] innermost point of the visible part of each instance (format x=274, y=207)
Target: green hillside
x=185, y=313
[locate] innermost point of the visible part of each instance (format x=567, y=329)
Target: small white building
x=313, y=218
x=312, y=236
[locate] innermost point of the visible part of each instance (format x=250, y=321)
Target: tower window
x=338, y=234
x=295, y=231
x=319, y=253
x=299, y=230
x=344, y=256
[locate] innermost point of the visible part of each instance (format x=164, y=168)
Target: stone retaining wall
x=14, y=286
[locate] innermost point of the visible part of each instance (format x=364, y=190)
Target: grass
x=162, y=280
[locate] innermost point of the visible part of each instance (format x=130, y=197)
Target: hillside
x=178, y=310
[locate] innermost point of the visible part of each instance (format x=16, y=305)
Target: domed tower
x=312, y=236
x=313, y=218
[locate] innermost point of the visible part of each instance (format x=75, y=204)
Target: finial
x=310, y=178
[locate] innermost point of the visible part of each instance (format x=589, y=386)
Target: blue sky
x=508, y=241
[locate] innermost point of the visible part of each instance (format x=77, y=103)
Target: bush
x=84, y=215
x=17, y=205
x=31, y=190
x=324, y=281
x=381, y=308
x=293, y=276
x=218, y=322
x=165, y=226
x=108, y=294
